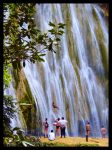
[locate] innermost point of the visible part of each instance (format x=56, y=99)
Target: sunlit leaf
x=27, y=143
x=42, y=54
x=25, y=104
x=40, y=59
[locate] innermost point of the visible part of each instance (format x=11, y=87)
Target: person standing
x=103, y=131
x=46, y=125
x=51, y=136
x=63, y=124
x=87, y=130
x=57, y=124
x=58, y=127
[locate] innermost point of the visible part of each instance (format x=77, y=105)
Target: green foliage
x=8, y=105
x=34, y=140
x=6, y=75
x=22, y=38
x=18, y=139
x=56, y=29
x=8, y=113
x=7, y=131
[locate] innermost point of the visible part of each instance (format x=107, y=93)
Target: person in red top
x=88, y=129
x=103, y=131
x=58, y=127
x=46, y=125
x=57, y=124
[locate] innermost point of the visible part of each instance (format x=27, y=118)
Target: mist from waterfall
x=71, y=77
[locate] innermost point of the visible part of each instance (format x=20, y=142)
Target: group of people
x=61, y=125
x=88, y=129
x=60, y=128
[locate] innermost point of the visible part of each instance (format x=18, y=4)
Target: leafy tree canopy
x=22, y=39
x=7, y=76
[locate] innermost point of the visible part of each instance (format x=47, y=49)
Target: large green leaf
x=42, y=54
x=16, y=128
x=40, y=59
x=61, y=25
x=51, y=24
x=52, y=31
x=58, y=39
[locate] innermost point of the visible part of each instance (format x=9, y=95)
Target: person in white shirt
x=51, y=136
x=63, y=124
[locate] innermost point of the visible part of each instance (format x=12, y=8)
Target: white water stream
x=74, y=87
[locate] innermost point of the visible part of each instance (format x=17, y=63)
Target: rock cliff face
x=27, y=113
x=105, y=8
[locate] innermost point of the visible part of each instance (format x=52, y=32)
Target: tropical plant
x=7, y=76
x=8, y=113
x=18, y=139
x=22, y=41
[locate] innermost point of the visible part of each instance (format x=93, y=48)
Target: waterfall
x=15, y=122
x=75, y=77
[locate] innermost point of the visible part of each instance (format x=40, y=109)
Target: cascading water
x=72, y=77
x=15, y=122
